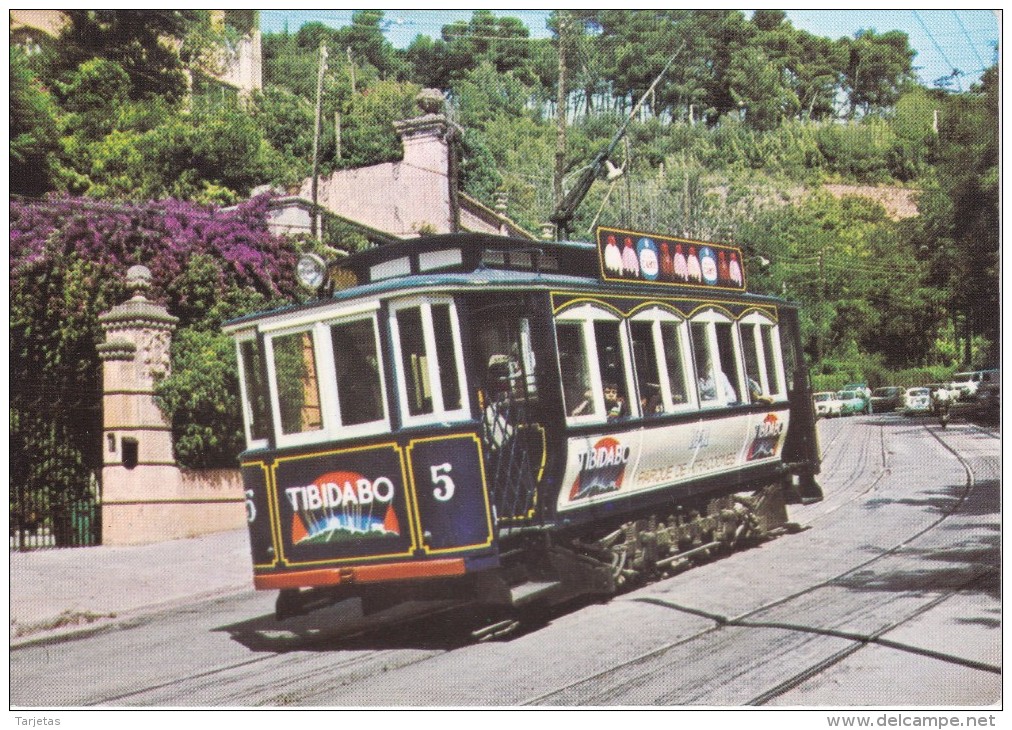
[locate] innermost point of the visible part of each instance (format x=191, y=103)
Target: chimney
x=426, y=138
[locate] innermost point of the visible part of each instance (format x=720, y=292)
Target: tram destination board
x=666, y=261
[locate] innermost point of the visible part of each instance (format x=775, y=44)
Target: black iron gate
x=47, y=520
x=55, y=468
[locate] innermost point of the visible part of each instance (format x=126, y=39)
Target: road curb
x=116, y=620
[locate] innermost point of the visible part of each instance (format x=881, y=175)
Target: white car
x=968, y=383
x=827, y=405
x=916, y=400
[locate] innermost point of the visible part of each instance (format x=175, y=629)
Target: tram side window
x=753, y=374
x=359, y=386
x=607, y=335
x=671, y=336
x=728, y=356
x=648, y=377
x=769, y=345
x=575, y=366
x=713, y=362
x=790, y=357
x=298, y=386
x=414, y=360
x=256, y=390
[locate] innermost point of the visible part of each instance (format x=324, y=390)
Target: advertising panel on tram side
x=605, y=467
x=667, y=261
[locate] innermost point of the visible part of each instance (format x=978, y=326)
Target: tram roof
x=480, y=262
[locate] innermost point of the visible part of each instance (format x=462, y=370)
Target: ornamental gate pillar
x=146, y=497
x=139, y=471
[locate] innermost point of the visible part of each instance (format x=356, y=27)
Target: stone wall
x=169, y=504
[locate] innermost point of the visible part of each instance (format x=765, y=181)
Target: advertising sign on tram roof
x=665, y=260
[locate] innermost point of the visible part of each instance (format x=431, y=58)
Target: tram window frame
x=432, y=374
x=708, y=320
x=248, y=391
x=305, y=435
x=769, y=360
x=339, y=428
x=663, y=321
x=587, y=316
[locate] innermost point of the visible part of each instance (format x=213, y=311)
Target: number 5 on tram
x=506, y=421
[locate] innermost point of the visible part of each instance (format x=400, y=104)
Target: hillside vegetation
x=737, y=142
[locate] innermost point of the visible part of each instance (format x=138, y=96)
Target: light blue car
x=851, y=402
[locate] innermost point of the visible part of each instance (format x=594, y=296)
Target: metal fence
x=35, y=525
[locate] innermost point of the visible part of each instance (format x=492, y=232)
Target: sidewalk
x=63, y=591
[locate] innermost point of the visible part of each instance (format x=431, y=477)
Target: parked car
x=989, y=401
x=827, y=405
x=968, y=383
x=916, y=400
x=884, y=400
x=851, y=402
x=862, y=389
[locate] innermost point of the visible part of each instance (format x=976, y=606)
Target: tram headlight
x=311, y=271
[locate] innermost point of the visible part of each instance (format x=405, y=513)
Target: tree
x=368, y=136
x=502, y=42
x=818, y=74
x=879, y=68
x=960, y=222
x=758, y=86
x=140, y=41
x=32, y=116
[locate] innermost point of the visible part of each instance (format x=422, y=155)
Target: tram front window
x=255, y=390
x=448, y=379
x=431, y=366
x=298, y=386
x=414, y=360
x=359, y=387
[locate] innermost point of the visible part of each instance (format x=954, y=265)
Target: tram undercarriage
x=540, y=568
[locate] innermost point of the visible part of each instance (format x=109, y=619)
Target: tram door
x=512, y=427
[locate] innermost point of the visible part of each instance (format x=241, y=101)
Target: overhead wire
x=968, y=39
x=956, y=73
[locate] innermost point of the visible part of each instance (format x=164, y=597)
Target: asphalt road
x=890, y=597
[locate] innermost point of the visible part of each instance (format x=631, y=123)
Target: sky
x=945, y=40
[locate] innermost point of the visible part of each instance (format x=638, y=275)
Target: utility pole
x=337, y=133
x=351, y=65
x=560, y=104
x=316, y=136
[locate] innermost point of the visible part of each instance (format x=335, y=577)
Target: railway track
x=777, y=647
x=652, y=665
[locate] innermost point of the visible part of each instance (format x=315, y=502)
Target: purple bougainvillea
x=161, y=235
x=68, y=263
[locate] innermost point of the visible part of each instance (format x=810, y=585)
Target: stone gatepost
x=145, y=496
x=138, y=464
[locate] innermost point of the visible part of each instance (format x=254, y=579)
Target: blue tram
x=474, y=417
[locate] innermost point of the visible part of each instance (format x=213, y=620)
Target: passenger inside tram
x=708, y=386
x=614, y=403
